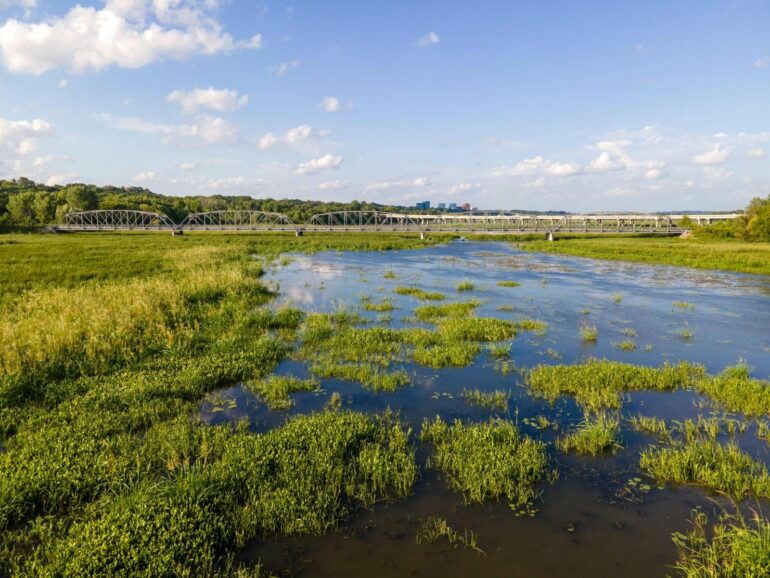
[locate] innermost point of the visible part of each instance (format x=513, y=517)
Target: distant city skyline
x=570, y=106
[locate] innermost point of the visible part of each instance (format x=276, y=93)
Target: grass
x=733, y=546
x=594, y=436
x=476, y=329
x=382, y=307
x=625, y=345
x=599, y=384
x=535, y=325
x=419, y=293
x=370, y=376
x=685, y=333
x=500, y=350
x=434, y=529
x=589, y=333
x=649, y=424
x=465, y=286
x=276, y=390
x=508, y=284
x=735, y=390
x=736, y=256
x=433, y=313
x=488, y=461
x=617, y=298
x=446, y=354
x=684, y=305
x=702, y=461
x=497, y=399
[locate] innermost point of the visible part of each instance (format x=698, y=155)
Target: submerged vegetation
x=497, y=399
x=594, y=435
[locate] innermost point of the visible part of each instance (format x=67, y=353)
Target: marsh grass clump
x=497, y=399
x=382, y=307
x=593, y=436
x=370, y=376
x=625, y=345
x=617, y=298
x=685, y=333
x=276, y=389
x=301, y=478
x=589, y=333
x=703, y=461
x=733, y=546
x=488, y=461
x=500, y=350
x=446, y=354
x=649, y=424
x=434, y=529
x=432, y=313
x=630, y=332
x=476, y=329
x=684, y=305
x=465, y=286
x=390, y=275
x=599, y=384
x=419, y=293
x=505, y=308
x=735, y=390
x=537, y=326
x=508, y=284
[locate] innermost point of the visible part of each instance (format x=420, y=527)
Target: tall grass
x=594, y=435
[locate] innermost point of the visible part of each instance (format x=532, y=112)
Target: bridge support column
x=422, y=235
x=298, y=232
x=549, y=236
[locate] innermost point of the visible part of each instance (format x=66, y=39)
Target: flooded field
x=597, y=515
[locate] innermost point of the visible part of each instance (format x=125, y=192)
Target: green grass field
x=701, y=254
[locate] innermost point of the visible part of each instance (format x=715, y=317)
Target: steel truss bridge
x=383, y=222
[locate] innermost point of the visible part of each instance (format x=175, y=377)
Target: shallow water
x=590, y=521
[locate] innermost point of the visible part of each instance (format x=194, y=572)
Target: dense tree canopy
x=753, y=225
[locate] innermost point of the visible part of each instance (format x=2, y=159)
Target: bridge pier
x=422, y=235
x=298, y=232
x=549, y=236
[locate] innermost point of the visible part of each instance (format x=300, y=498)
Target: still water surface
x=591, y=522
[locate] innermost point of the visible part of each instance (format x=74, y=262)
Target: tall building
x=452, y=206
x=466, y=206
x=441, y=206
x=424, y=205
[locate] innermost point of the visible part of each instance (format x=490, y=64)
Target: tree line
x=752, y=225
x=24, y=202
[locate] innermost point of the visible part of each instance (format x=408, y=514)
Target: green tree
x=82, y=198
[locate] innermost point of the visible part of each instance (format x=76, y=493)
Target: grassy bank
x=736, y=256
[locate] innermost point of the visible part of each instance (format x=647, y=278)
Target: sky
x=550, y=105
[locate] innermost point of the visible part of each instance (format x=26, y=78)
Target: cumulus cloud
x=333, y=185
x=21, y=137
x=26, y=4
x=145, y=177
x=325, y=163
x=124, y=33
x=398, y=184
x=283, y=68
x=220, y=100
x=461, y=188
x=331, y=104
x=537, y=166
x=758, y=153
x=292, y=137
x=206, y=129
x=428, y=39
x=715, y=156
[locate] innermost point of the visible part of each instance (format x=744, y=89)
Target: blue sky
x=539, y=105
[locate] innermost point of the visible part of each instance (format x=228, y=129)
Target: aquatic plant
x=506, y=308
x=593, y=436
x=487, y=461
x=419, y=293
x=508, y=284
x=446, y=354
x=733, y=546
x=389, y=275
x=705, y=462
x=589, y=333
x=649, y=424
x=432, y=313
x=276, y=389
x=617, y=298
x=500, y=350
x=599, y=384
x=735, y=390
x=497, y=399
x=434, y=529
x=476, y=329
x=465, y=286
x=685, y=333
x=630, y=332
x=384, y=306
x=370, y=376
x=684, y=305
x=625, y=345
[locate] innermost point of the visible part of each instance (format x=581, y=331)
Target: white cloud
x=537, y=166
x=715, y=156
x=21, y=137
x=761, y=62
x=146, y=177
x=718, y=174
x=205, y=130
x=187, y=166
x=331, y=104
x=63, y=179
x=220, y=100
x=63, y=83
x=292, y=137
x=283, y=68
x=464, y=188
x=428, y=39
x=333, y=185
x=26, y=4
x=399, y=184
x=124, y=33
x=758, y=153
x=324, y=163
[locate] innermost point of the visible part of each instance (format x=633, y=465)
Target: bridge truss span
x=237, y=220
x=116, y=220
